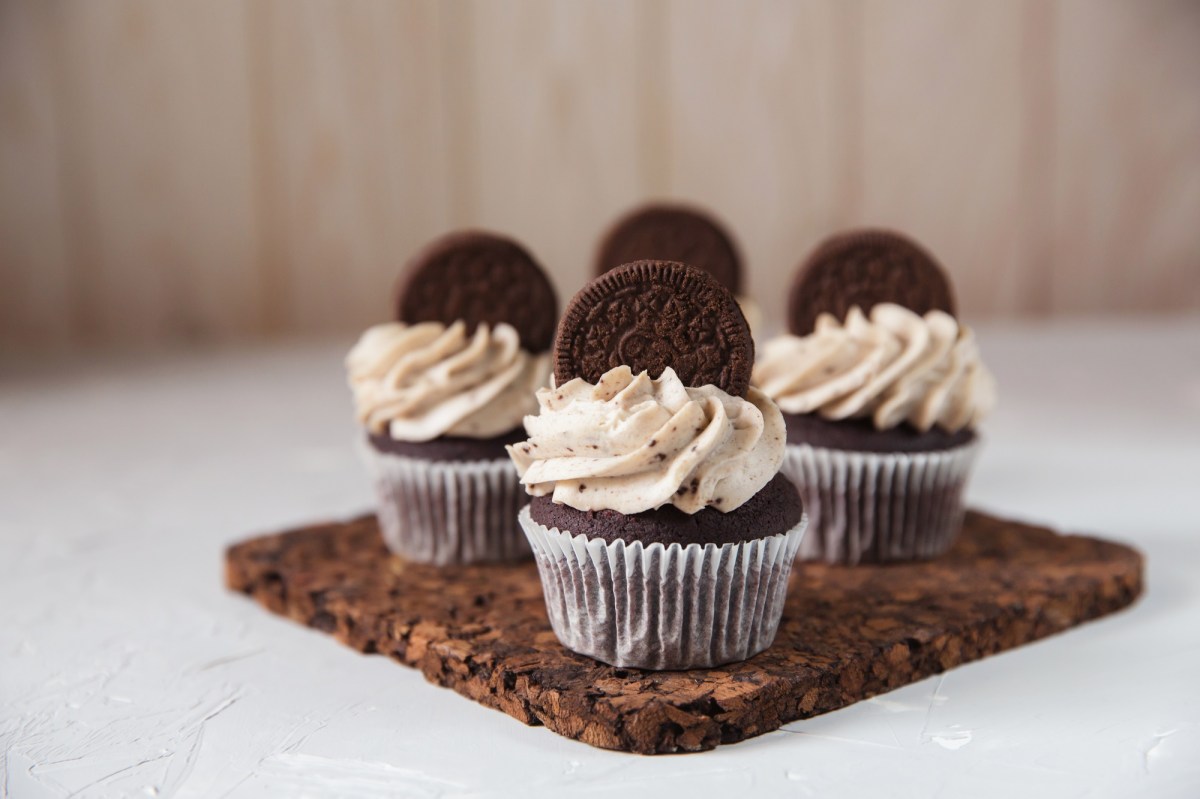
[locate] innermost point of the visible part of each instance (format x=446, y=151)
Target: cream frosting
x=895, y=366
x=421, y=381
x=630, y=443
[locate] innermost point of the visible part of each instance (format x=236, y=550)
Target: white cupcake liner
x=663, y=607
x=870, y=507
x=446, y=512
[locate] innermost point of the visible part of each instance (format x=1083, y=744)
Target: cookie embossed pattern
x=656, y=314
x=683, y=234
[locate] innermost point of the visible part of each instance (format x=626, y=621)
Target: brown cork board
x=847, y=633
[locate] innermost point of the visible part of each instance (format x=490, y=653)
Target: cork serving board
x=847, y=633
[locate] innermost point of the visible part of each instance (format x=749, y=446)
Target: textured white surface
x=126, y=669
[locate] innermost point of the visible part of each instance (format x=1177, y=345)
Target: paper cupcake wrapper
x=867, y=507
x=663, y=607
x=446, y=512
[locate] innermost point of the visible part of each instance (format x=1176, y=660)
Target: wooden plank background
x=213, y=169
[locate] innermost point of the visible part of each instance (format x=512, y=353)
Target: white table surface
x=127, y=669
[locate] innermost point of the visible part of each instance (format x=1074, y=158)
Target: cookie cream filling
x=893, y=367
x=418, y=382
x=631, y=444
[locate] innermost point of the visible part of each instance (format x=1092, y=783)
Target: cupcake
x=662, y=529
x=673, y=232
x=882, y=390
x=443, y=390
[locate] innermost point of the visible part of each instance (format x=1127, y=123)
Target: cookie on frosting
x=479, y=277
x=651, y=315
x=864, y=268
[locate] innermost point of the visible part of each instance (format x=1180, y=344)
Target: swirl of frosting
x=632, y=444
x=418, y=382
x=894, y=367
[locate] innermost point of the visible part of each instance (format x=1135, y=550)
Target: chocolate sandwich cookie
x=672, y=233
x=479, y=278
x=650, y=315
x=865, y=268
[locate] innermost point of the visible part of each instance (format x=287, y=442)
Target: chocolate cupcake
x=441, y=391
x=881, y=389
x=682, y=233
x=663, y=532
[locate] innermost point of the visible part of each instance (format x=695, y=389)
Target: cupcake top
x=632, y=443
x=651, y=404
x=892, y=367
x=873, y=336
x=419, y=382
x=864, y=268
x=479, y=278
x=475, y=318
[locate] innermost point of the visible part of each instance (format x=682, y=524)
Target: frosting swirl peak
x=418, y=382
x=893, y=367
x=631, y=444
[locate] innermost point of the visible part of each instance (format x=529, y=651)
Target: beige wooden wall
x=212, y=169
